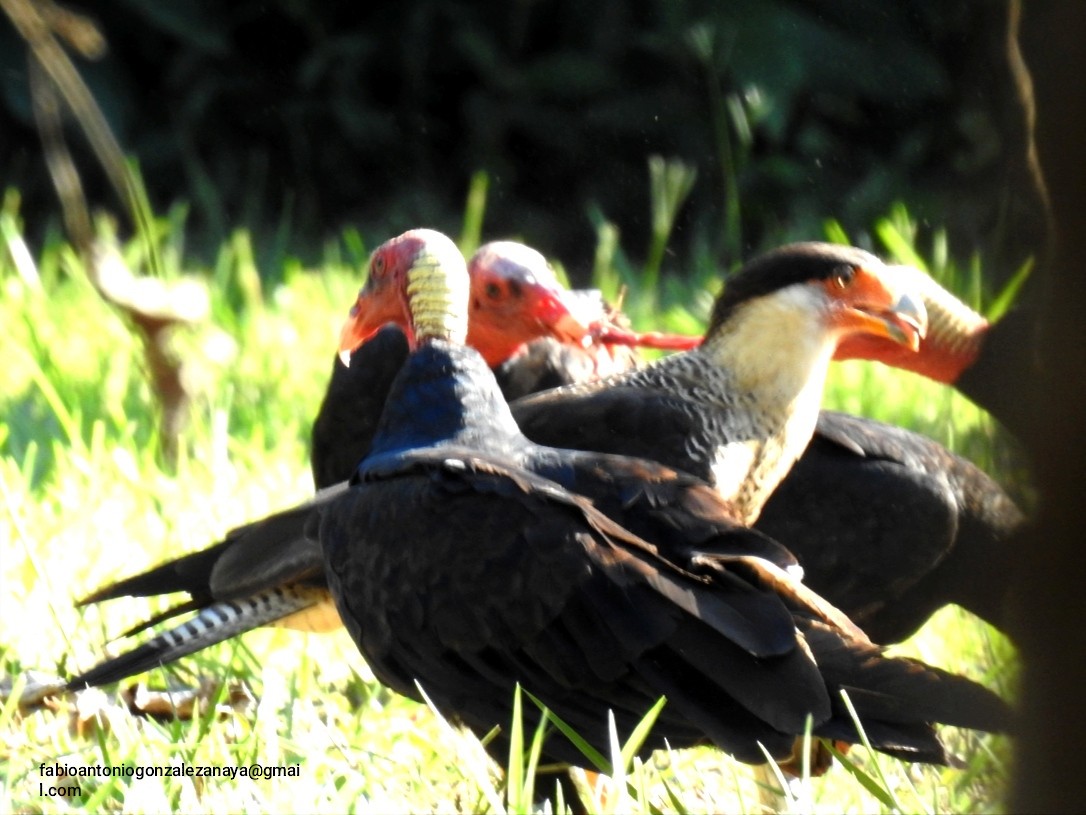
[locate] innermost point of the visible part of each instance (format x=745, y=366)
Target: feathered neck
x=774, y=353
x=774, y=348
x=444, y=395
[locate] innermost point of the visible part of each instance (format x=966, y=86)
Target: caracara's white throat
x=777, y=344
x=773, y=355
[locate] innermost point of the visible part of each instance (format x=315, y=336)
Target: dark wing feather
x=280, y=549
x=679, y=513
x=549, y=593
x=547, y=363
x=755, y=620
x=642, y=421
x=893, y=534
x=262, y=555
x=542, y=365
x=1007, y=367
x=215, y=623
x=189, y=573
x=540, y=574
x=347, y=420
x=902, y=691
x=267, y=572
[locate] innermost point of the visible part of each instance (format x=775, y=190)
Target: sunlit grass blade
x=619, y=800
x=900, y=246
x=478, y=774
x=65, y=417
x=559, y=798
x=535, y=753
x=637, y=738
x=622, y=755
x=1009, y=293
x=772, y=768
x=866, y=781
x=641, y=783
x=143, y=216
x=474, y=212
x=605, y=276
x=670, y=183
x=673, y=799
x=867, y=743
x=514, y=772
x=18, y=251
x=835, y=232
x=28, y=546
x=355, y=246
x=594, y=756
x=804, y=803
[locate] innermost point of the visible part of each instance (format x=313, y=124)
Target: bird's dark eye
x=843, y=276
x=493, y=291
x=378, y=265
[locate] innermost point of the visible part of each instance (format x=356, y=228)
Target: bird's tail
x=898, y=700
x=190, y=573
x=215, y=623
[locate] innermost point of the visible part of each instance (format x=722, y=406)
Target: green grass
x=86, y=498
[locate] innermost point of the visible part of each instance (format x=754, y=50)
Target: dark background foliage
x=320, y=115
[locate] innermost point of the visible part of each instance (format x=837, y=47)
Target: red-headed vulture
x=988, y=363
x=267, y=571
x=534, y=332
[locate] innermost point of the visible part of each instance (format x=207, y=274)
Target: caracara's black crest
x=793, y=263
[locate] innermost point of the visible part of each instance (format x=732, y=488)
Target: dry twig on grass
x=152, y=306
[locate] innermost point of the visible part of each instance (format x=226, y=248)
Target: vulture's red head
x=951, y=345
x=383, y=297
x=515, y=298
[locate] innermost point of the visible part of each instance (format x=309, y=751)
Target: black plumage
x=272, y=567
x=469, y=559
x=548, y=363
x=889, y=526
x=352, y=403
x=1007, y=366
x=457, y=565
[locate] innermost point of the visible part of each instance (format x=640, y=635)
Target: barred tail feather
x=215, y=623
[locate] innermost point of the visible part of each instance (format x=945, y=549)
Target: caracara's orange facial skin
x=953, y=341
x=865, y=302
